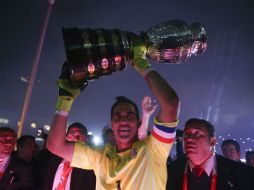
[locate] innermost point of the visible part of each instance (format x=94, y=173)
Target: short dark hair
x=7, y=129
x=233, y=142
x=21, y=140
x=206, y=124
x=77, y=125
x=123, y=99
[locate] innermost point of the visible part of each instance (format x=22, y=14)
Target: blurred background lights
x=33, y=125
x=243, y=160
x=97, y=140
x=91, y=68
x=46, y=127
x=104, y=63
x=4, y=121
x=90, y=133
x=117, y=60
x=39, y=132
x=39, y=139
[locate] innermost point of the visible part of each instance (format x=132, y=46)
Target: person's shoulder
x=178, y=162
x=234, y=164
x=18, y=163
x=45, y=154
x=223, y=160
x=105, y=149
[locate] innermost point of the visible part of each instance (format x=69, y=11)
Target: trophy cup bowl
x=93, y=53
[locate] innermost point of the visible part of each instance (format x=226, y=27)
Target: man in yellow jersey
x=130, y=164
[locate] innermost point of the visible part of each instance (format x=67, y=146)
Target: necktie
x=198, y=171
x=66, y=171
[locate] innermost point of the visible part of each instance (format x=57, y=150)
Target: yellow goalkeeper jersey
x=143, y=167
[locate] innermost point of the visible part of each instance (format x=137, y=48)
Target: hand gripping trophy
x=92, y=53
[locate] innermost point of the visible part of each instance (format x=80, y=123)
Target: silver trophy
x=92, y=53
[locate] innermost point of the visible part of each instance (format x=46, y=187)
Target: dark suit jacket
x=46, y=167
x=17, y=176
x=231, y=175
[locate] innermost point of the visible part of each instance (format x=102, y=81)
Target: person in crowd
x=130, y=164
x=15, y=173
x=27, y=148
x=179, y=143
x=178, y=147
x=249, y=155
x=201, y=168
x=54, y=172
x=108, y=136
x=231, y=149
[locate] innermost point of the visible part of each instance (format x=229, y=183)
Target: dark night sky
x=220, y=80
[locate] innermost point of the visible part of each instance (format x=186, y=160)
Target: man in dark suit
x=201, y=168
x=50, y=168
x=15, y=173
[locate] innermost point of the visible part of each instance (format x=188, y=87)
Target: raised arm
x=148, y=108
x=163, y=133
x=164, y=93
x=67, y=93
x=166, y=96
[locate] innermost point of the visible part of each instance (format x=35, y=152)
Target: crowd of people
x=33, y=167
x=132, y=158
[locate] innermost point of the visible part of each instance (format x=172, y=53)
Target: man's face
x=229, y=151
x=197, y=144
x=125, y=124
x=76, y=134
x=7, y=143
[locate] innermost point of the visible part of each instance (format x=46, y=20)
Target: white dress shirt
x=58, y=176
x=207, y=166
x=4, y=163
